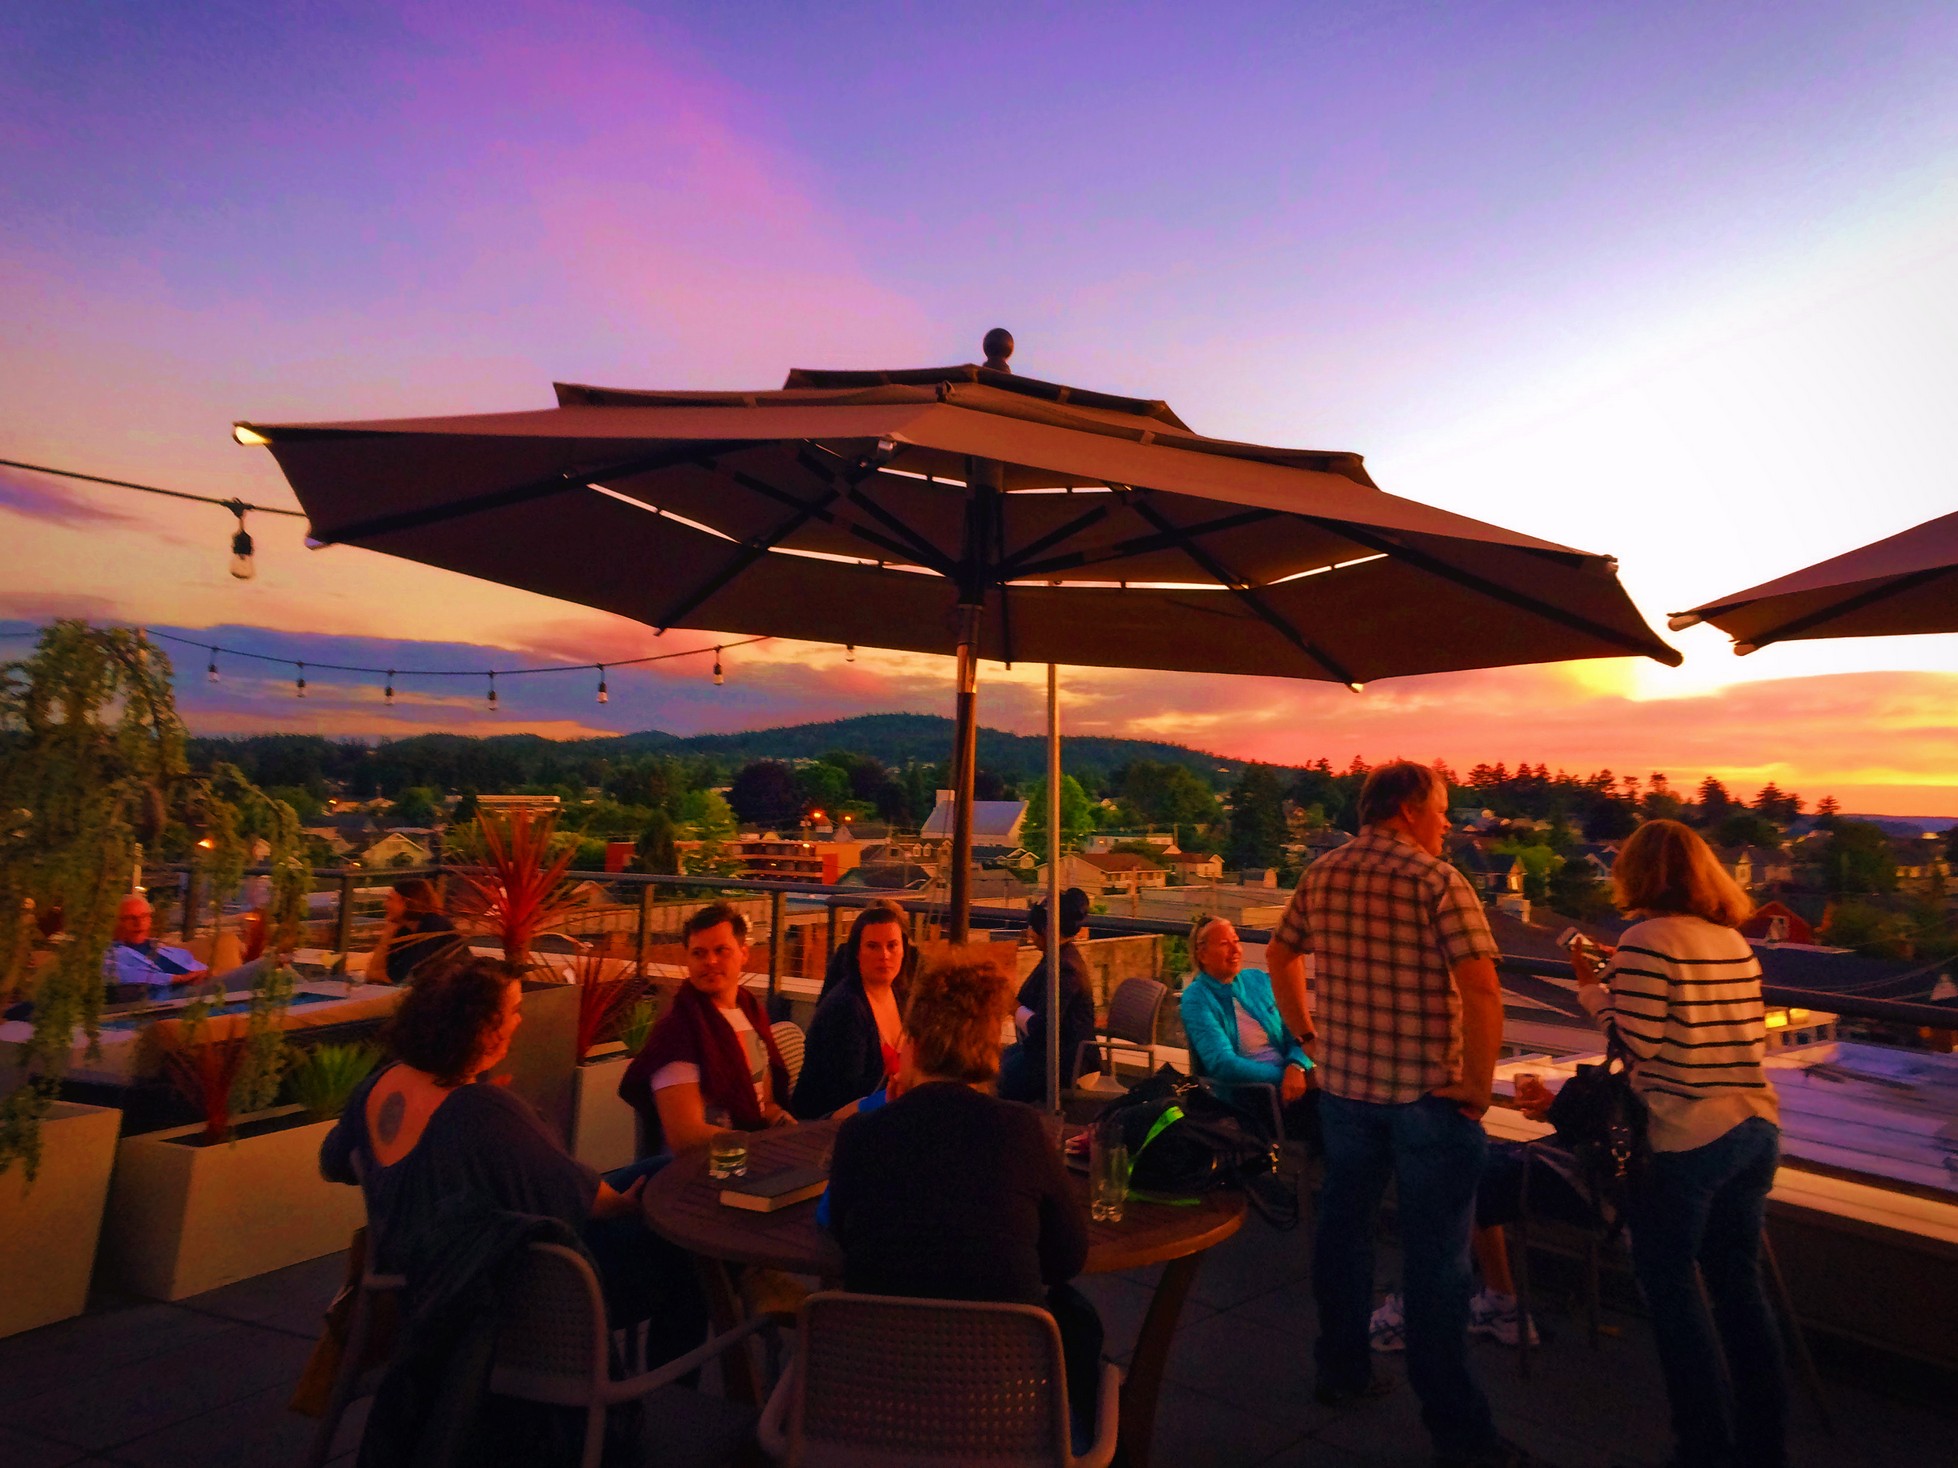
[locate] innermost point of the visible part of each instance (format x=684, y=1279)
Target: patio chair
x=1259, y=1096
x=1131, y=1028
x=789, y=1040
x=376, y=1303
x=552, y=1346
x=879, y=1380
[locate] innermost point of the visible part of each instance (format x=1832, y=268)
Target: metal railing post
x=343, y=926
x=829, y=932
x=776, y=906
x=189, y=924
x=642, y=944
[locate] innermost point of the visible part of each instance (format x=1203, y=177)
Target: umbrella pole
x=965, y=747
x=1053, y=891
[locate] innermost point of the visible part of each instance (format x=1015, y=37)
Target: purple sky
x=1672, y=282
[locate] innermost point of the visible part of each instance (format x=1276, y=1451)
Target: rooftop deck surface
x=205, y=1381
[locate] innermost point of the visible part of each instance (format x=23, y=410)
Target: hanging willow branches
x=92, y=777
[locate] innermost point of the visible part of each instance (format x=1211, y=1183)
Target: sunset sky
x=1678, y=283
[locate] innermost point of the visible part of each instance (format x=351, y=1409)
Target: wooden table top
x=683, y=1204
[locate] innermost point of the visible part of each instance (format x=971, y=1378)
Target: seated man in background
x=137, y=966
x=1237, y=1037
x=1023, y=1068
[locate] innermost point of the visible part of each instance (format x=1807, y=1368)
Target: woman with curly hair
x=431, y=1125
x=949, y=1192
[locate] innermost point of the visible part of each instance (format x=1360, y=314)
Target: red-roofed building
x=1773, y=922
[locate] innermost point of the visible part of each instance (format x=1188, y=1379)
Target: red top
x=890, y=1060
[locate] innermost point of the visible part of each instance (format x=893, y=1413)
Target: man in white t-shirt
x=672, y=1073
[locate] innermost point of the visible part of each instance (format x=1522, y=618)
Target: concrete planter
x=48, y=1230
x=604, y=1130
x=185, y=1217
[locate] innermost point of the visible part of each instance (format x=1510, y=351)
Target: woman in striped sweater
x=1683, y=992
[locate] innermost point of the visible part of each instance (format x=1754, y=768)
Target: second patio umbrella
x=959, y=510
x=1904, y=584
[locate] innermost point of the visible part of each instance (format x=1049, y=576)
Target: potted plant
x=604, y=1130
x=238, y=1193
x=513, y=892
x=94, y=776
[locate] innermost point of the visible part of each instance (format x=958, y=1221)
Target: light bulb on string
x=299, y=684
x=242, y=566
x=849, y=652
x=211, y=668
x=603, y=696
x=387, y=692
x=719, y=676
x=492, y=693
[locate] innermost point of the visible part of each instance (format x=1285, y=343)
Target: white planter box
x=48, y=1230
x=604, y=1130
x=184, y=1218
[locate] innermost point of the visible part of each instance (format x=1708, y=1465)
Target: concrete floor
x=205, y=1382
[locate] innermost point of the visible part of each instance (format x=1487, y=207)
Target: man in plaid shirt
x=1411, y=1024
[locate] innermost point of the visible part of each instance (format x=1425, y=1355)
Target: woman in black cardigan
x=852, y=1049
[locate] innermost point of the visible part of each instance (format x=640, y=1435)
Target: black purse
x=1184, y=1139
x=1606, y=1124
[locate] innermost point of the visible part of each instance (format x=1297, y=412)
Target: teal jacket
x=1210, y=1020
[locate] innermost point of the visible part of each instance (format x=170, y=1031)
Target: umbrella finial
x=998, y=346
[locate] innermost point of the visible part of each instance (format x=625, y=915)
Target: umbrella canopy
x=849, y=508
x=1905, y=584
x=959, y=508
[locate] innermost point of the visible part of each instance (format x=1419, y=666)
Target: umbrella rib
x=1017, y=564
x=1847, y=606
x=747, y=555
x=518, y=494
x=912, y=542
x=1494, y=590
x=1135, y=545
x=1237, y=587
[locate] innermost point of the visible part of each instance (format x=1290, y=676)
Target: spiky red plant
x=518, y=892
x=204, y=1072
x=602, y=1001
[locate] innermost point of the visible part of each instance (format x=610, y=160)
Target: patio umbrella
x=960, y=509
x=1907, y=583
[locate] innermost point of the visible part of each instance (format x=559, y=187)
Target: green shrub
x=324, y=1080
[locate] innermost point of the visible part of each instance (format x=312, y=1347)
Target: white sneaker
x=1387, y=1329
x=1496, y=1315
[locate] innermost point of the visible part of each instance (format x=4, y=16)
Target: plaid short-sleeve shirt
x=1384, y=922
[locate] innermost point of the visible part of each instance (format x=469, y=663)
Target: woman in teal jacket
x=1237, y=1037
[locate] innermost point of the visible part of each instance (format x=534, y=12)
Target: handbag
x=1605, y=1123
x=1183, y=1139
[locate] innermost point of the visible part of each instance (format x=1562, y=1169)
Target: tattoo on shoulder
x=388, y=1124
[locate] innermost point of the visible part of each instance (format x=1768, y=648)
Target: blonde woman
x=1683, y=992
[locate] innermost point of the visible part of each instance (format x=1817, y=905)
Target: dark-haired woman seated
x=423, y=1130
x=949, y=1192
x=852, y=1050
x=416, y=935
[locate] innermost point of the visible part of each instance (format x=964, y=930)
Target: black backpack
x=1183, y=1139
x=1605, y=1124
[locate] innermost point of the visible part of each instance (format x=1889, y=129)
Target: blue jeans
x=1705, y=1208
x=1434, y=1154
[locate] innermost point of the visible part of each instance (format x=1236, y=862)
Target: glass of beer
x=1108, y=1175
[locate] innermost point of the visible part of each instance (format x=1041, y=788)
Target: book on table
x=783, y=1187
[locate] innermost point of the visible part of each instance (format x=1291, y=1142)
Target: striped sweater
x=1684, y=995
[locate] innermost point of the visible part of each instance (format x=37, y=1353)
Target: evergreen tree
x=1257, y=823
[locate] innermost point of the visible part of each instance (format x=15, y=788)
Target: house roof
x=998, y=820
x=1118, y=861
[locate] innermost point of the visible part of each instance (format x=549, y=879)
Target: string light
x=849, y=652
x=603, y=696
x=492, y=693
x=719, y=676
x=300, y=686
x=242, y=566
x=211, y=668
x=387, y=693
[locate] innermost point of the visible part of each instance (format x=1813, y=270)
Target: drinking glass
x=727, y=1155
x=1108, y=1176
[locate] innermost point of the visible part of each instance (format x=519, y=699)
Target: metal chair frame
x=1134, y=1010
x=573, y=1366
x=781, y=1431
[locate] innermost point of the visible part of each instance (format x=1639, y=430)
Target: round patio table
x=683, y=1204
